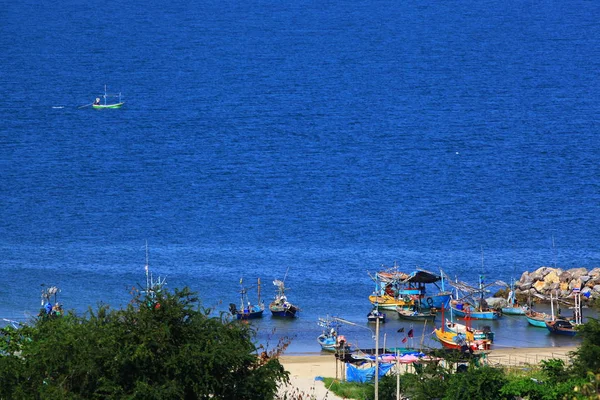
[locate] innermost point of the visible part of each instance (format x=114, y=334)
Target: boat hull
x=283, y=312
x=491, y=315
x=332, y=343
x=561, y=327
x=439, y=301
x=513, y=310
x=537, y=319
x=102, y=106
x=249, y=314
x=415, y=316
x=388, y=302
x=252, y=312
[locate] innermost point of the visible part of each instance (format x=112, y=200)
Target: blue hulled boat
x=330, y=339
x=466, y=310
x=561, y=326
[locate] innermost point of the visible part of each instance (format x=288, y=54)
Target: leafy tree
x=587, y=356
x=554, y=369
x=476, y=383
x=160, y=347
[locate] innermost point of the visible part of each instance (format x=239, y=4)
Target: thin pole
x=552, y=306
x=147, y=268
x=377, y=359
x=397, y=375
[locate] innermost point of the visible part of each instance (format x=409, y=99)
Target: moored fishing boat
x=460, y=341
x=248, y=310
x=564, y=326
x=513, y=307
x=330, y=339
x=99, y=104
x=398, y=289
x=50, y=308
x=473, y=305
x=561, y=326
x=478, y=334
x=281, y=307
x=467, y=310
x=460, y=337
x=537, y=319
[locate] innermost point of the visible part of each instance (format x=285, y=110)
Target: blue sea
x=312, y=140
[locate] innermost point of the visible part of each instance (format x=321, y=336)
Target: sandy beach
x=305, y=369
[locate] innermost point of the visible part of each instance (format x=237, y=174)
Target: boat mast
x=259, y=291
x=481, y=282
x=552, y=306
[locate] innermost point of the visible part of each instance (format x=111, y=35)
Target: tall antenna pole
x=553, y=252
x=147, y=268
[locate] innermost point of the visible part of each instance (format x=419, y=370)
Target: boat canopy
x=417, y=276
x=422, y=276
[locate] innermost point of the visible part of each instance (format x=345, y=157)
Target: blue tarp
x=362, y=375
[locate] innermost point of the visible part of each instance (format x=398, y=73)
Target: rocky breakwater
x=546, y=280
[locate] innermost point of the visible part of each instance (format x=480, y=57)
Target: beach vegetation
x=551, y=379
x=476, y=384
x=349, y=390
x=164, y=346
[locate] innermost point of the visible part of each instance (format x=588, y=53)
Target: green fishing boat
x=99, y=104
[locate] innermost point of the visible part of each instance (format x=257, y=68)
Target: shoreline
x=305, y=369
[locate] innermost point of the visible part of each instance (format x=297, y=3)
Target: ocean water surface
x=321, y=140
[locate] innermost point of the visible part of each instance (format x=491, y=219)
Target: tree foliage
x=587, y=356
x=164, y=347
x=476, y=383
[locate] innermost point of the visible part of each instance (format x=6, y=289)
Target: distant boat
x=248, y=310
x=99, y=104
x=50, y=305
x=281, y=307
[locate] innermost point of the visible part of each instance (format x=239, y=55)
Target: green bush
x=164, y=347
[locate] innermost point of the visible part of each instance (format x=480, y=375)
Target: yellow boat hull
x=387, y=302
